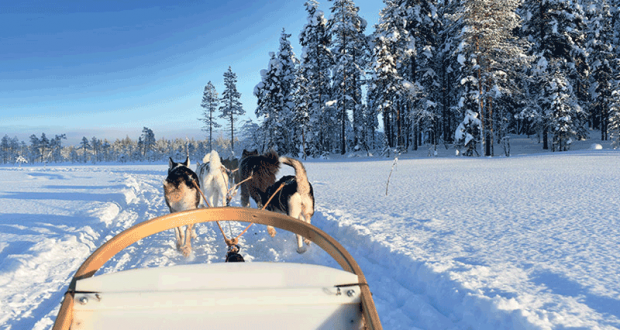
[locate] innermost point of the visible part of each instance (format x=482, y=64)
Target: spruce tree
x=316, y=61
x=231, y=107
x=268, y=93
x=489, y=56
x=555, y=29
x=210, y=102
x=349, y=49
x=601, y=57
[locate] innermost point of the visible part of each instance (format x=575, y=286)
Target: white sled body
x=255, y=295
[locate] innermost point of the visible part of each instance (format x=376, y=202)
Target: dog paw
x=186, y=251
x=301, y=250
x=194, y=234
x=271, y=231
x=307, y=241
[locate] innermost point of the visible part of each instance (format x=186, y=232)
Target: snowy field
x=525, y=242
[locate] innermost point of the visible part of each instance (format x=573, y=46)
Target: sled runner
x=256, y=295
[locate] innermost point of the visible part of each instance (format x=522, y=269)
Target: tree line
x=467, y=74
x=146, y=148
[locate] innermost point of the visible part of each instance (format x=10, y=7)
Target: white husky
x=213, y=179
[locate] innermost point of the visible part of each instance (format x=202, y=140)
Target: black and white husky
x=295, y=199
x=213, y=179
x=181, y=194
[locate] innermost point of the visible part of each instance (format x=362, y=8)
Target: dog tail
x=300, y=174
x=214, y=160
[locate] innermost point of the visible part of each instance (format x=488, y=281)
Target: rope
x=226, y=239
x=235, y=241
x=264, y=206
x=229, y=196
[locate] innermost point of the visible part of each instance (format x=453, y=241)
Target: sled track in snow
x=409, y=294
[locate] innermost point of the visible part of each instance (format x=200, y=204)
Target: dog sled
x=253, y=295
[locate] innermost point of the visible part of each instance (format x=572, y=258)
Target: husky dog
x=213, y=178
x=181, y=194
x=262, y=169
x=295, y=199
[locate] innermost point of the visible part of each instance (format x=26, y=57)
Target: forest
x=466, y=75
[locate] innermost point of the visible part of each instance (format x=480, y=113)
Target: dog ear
x=171, y=163
x=186, y=162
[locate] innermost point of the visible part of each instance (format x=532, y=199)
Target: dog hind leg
x=178, y=233
x=294, y=206
x=187, y=247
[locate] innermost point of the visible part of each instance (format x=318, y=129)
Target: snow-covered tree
x=562, y=110
x=209, y=104
x=350, y=52
x=316, y=62
x=35, y=148
x=148, y=143
x=601, y=58
x=268, y=93
x=392, y=46
x=95, y=143
x=489, y=55
x=467, y=133
x=275, y=94
x=5, y=153
x=84, y=145
x=301, y=111
x=386, y=87
x=231, y=107
x=614, y=118
x=56, y=147
x=555, y=30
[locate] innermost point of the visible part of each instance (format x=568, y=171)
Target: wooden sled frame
x=173, y=220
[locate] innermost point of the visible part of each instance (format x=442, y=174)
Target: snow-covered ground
x=525, y=242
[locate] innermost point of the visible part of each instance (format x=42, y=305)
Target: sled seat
x=256, y=295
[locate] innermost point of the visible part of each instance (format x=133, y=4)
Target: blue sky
x=110, y=68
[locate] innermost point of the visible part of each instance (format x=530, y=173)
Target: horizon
x=109, y=70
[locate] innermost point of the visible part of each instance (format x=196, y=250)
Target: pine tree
x=231, y=107
x=421, y=69
x=614, y=118
x=5, y=149
x=386, y=85
x=349, y=48
x=275, y=94
x=209, y=104
x=489, y=55
x=44, y=145
x=85, y=145
x=56, y=147
x=391, y=48
x=301, y=111
x=316, y=62
x=601, y=49
x=555, y=29
x=148, y=142
x=562, y=110
x=267, y=94
x=35, y=145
